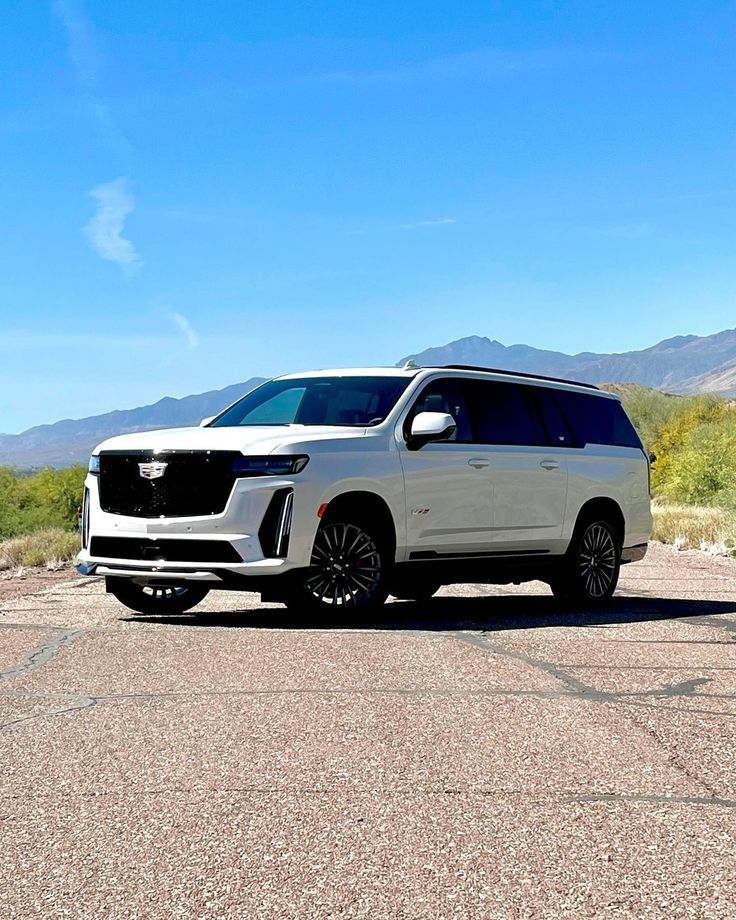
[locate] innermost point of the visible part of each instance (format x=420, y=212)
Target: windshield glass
x=352, y=401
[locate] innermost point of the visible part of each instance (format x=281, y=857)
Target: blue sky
x=196, y=193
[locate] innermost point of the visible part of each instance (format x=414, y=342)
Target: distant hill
x=684, y=364
x=71, y=441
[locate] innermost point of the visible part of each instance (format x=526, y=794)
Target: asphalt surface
x=486, y=754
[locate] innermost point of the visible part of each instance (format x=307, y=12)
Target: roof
x=411, y=369
x=355, y=372
x=496, y=370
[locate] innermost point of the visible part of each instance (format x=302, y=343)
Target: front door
x=447, y=484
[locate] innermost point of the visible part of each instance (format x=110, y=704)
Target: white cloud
x=87, y=63
x=105, y=230
x=81, y=42
x=186, y=327
x=432, y=222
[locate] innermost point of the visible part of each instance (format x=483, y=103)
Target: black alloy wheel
x=597, y=560
x=156, y=599
x=592, y=566
x=347, y=570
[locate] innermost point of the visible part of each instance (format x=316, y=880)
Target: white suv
x=333, y=489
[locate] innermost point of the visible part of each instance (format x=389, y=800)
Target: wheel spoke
x=365, y=583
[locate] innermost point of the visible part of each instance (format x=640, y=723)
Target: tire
x=413, y=589
x=156, y=599
x=589, y=574
x=348, y=572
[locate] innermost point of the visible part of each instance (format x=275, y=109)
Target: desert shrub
x=695, y=527
x=49, y=498
x=44, y=547
x=694, y=440
x=700, y=466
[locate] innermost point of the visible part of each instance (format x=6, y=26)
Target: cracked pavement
x=486, y=754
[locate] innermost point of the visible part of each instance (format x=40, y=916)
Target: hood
x=256, y=440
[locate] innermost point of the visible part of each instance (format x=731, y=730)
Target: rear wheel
x=348, y=570
x=591, y=568
x=156, y=598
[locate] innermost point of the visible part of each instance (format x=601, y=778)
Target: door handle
x=549, y=465
x=478, y=462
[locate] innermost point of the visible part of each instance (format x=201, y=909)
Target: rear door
x=528, y=468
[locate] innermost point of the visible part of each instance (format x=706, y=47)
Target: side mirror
x=430, y=426
x=205, y=421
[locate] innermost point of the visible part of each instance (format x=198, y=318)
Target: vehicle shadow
x=450, y=614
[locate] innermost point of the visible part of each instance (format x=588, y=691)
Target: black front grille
x=194, y=483
x=167, y=550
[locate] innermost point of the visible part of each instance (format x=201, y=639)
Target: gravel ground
x=486, y=754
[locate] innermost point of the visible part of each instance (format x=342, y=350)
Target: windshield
x=353, y=401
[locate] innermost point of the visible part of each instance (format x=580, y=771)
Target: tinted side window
x=444, y=396
x=624, y=433
x=559, y=432
x=502, y=414
x=598, y=420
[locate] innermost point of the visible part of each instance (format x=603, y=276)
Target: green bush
x=50, y=498
x=702, y=470
x=694, y=440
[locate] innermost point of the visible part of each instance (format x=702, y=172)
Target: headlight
x=270, y=466
x=94, y=465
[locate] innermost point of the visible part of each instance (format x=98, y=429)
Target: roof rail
x=498, y=370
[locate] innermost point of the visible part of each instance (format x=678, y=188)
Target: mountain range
x=684, y=364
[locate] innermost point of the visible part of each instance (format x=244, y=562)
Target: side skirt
x=488, y=570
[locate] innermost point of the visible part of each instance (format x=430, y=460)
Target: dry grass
x=694, y=527
x=52, y=548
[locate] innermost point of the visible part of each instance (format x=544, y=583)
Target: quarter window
x=597, y=419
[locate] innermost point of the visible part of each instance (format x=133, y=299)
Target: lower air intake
x=164, y=550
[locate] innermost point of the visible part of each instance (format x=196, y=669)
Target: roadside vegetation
x=38, y=517
x=52, y=548
x=694, y=475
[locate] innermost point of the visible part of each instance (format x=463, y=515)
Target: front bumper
x=240, y=527
x=252, y=578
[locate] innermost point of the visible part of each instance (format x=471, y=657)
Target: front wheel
x=156, y=599
x=591, y=568
x=348, y=570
